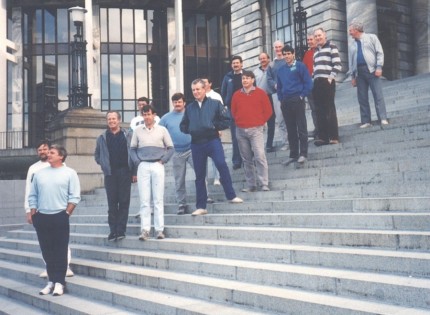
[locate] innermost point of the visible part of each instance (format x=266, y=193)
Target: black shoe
x=120, y=236
x=112, y=237
x=182, y=209
x=209, y=200
x=236, y=166
x=320, y=142
x=270, y=149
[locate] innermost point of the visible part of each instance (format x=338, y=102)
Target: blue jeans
x=365, y=79
x=215, y=151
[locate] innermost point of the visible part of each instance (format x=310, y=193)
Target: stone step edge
x=234, y=288
x=67, y=303
x=10, y=306
x=324, y=272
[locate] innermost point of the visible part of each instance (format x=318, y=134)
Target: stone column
x=3, y=63
x=421, y=24
x=77, y=130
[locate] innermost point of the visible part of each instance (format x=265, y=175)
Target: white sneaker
x=366, y=125
x=44, y=274
x=217, y=182
x=199, y=212
x=58, y=289
x=384, y=122
x=236, y=200
x=69, y=272
x=301, y=159
x=48, y=289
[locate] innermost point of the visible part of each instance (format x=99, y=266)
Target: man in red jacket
x=251, y=109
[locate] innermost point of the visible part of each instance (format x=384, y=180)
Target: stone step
x=401, y=262
x=10, y=306
x=94, y=296
x=271, y=299
x=371, y=238
x=340, y=282
x=400, y=220
x=28, y=293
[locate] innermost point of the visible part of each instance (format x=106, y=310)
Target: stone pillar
x=17, y=80
x=3, y=63
x=421, y=24
x=246, y=31
x=77, y=130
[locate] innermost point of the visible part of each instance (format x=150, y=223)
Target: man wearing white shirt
x=138, y=120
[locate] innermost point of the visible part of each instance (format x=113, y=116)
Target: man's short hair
x=43, y=142
x=61, y=151
x=143, y=99
x=357, y=25
x=178, y=96
x=288, y=48
x=236, y=58
x=198, y=81
x=147, y=108
x=249, y=74
x=118, y=114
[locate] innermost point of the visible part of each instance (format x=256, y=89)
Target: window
x=281, y=21
x=132, y=63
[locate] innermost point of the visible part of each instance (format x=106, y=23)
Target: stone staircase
x=347, y=233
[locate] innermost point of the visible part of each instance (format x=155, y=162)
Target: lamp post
x=300, y=30
x=78, y=96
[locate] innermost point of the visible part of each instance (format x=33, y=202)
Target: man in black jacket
x=203, y=119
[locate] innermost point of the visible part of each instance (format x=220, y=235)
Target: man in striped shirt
x=326, y=66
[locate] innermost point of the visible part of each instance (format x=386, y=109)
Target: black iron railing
x=13, y=140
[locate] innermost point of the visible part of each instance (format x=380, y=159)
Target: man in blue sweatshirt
x=55, y=191
x=294, y=83
x=182, y=145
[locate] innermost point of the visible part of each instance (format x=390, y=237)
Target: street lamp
x=300, y=30
x=78, y=96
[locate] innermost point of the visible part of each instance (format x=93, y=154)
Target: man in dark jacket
x=231, y=83
x=203, y=119
x=112, y=154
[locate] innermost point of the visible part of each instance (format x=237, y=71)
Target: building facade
x=154, y=48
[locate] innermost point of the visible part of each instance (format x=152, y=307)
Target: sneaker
x=237, y=166
x=120, y=236
x=210, y=200
x=236, y=200
x=249, y=189
x=144, y=236
x=69, y=272
x=334, y=141
x=160, y=236
x=58, y=289
x=44, y=274
x=366, y=125
x=48, y=289
x=301, y=159
x=111, y=237
x=182, y=210
x=217, y=182
x=384, y=122
x=265, y=188
x=199, y=212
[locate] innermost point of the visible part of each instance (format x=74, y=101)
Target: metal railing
x=13, y=140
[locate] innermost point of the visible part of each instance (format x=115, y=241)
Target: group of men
x=273, y=93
